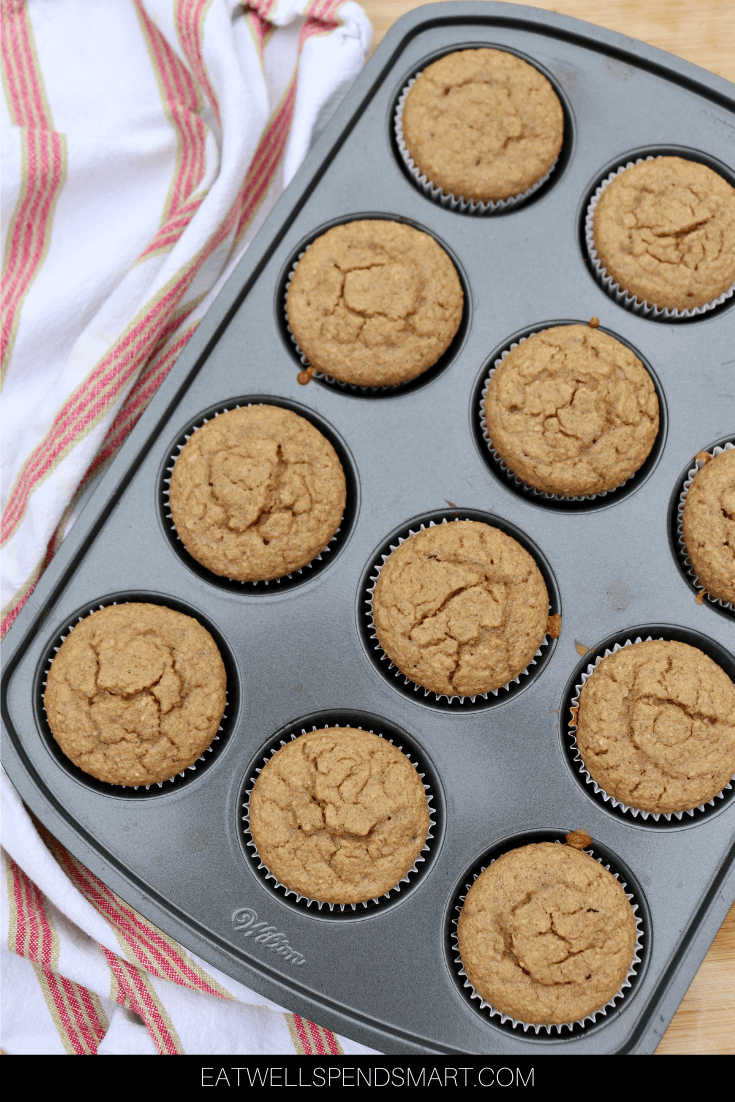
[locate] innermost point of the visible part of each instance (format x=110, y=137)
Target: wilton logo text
x=245, y=918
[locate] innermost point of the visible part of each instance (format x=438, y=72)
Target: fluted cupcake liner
x=508, y=472
x=172, y=527
x=537, y=1027
x=341, y=907
x=613, y=289
x=681, y=545
x=598, y=789
x=459, y=700
x=320, y=375
x=445, y=198
x=204, y=757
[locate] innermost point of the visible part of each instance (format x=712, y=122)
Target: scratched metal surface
x=500, y=772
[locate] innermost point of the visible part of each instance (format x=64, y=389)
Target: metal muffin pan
x=500, y=773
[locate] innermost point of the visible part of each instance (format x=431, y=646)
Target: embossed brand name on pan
x=246, y=919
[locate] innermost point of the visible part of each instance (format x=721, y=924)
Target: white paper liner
x=169, y=518
x=156, y=784
x=538, y=1026
x=599, y=790
x=353, y=387
x=446, y=198
x=321, y=903
x=375, y=574
x=613, y=289
x=681, y=545
x=510, y=474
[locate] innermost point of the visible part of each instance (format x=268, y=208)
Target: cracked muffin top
x=460, y=608
x=339, y=815
x=256, y=493
x=483, y=124
x=665, y=231
x=546, y=934
x=572, y=411
x=135, y=693
x=708, y=524
x=656, y=726
x=374, y=303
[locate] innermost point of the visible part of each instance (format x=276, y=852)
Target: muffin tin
x=300, y=652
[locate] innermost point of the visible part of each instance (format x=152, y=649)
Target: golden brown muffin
x=482, y=124
x=572, y=411
x=664, y=230
x=135, y=693
x=460, y=608
x=656, y=726
x=256, y=493
x=708, y=525
x=374, y=303
x=546, y=934
x=339, y=815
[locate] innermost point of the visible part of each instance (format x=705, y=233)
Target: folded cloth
x=144, y=144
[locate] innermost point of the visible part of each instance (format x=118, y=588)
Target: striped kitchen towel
x=144, y=143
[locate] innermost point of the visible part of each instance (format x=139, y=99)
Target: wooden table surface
x=702, y=31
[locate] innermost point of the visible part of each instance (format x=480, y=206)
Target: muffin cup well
x=508, y=472
x=355, y=389
x=612, y=288
x=295, y=577
x=210, y=753
x=378, y=655
x=447, y=199
x=583, y=771
x=398, y=739
x=579, y=1024
x=681, y=548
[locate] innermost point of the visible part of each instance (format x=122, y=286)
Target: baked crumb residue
x=546, y=934
x=374, y=302
x=460, y=608
x=656, y=726
x=339, y=815
x=136, y=693
x=572, y=411
x=578, y=839
x=256, y=493
x=553, y=627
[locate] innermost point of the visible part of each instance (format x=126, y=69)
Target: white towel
x=145, y=141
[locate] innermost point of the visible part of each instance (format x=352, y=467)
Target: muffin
x=664, y=230
x=374, y=303
x=482, y=124
x=257, y=493
x=135, y=693
x=572, y=411
x=546, y=934
x=708, y=525
x=656, y=726
x=460, y=608
x=339, y=815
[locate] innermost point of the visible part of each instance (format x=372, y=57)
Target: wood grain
x=701, y=31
